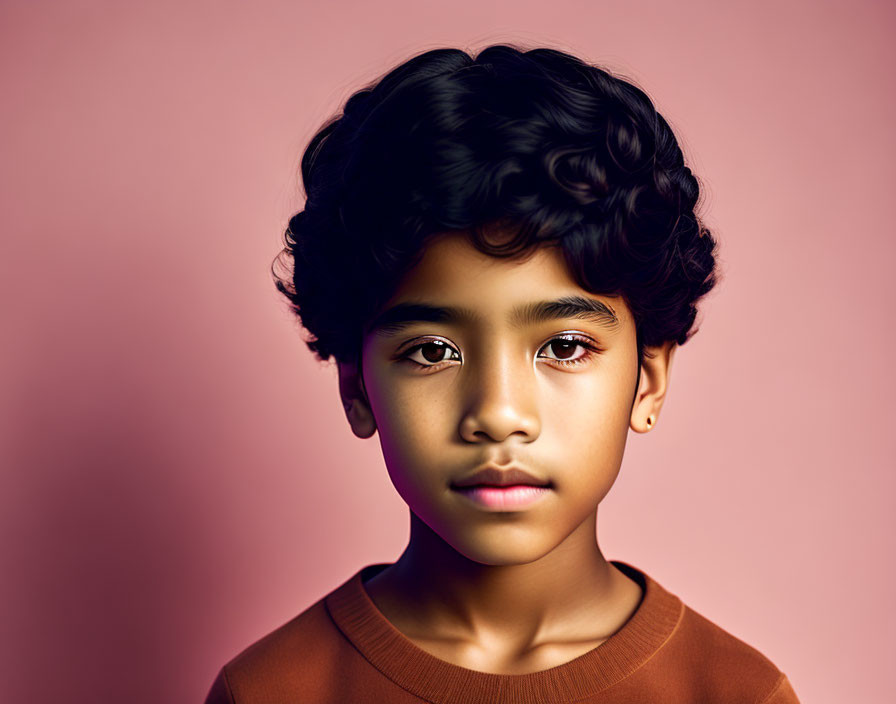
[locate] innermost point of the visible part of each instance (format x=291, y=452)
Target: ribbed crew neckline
x=442, y=682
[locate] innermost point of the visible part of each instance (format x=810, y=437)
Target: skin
x=502, y=592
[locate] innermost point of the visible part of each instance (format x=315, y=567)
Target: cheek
x=584, y=405
x=409, y=426
x=588, y=426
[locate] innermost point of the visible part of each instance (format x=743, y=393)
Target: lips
x=508, y=498
x=493, y=476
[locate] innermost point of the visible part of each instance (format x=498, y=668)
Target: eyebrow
x=405, y=314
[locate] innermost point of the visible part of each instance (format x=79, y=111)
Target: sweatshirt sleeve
x=782, y=693
x=220, y=692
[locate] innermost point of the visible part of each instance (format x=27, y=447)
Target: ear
x=354, y=400
x=652, y=386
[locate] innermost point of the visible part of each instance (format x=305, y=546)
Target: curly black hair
x=536, y=142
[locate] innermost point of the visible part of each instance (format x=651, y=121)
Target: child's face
x=498, y=392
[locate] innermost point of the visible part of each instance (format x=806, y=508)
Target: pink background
x=178, y=477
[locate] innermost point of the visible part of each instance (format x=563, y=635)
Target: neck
x=441, y=593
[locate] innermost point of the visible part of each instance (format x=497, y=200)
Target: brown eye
x=564, y=349
x=428, y=353
x=433, y=352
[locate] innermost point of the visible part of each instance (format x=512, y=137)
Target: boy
x=502, y=255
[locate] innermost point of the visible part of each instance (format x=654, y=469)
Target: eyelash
x=591, y=349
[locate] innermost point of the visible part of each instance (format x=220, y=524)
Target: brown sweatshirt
x=343, y=650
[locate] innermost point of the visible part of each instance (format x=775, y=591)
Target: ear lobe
x=354, y=400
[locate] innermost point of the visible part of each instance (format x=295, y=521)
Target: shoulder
x=302, y=651
x=311, y=627
x=728, y=668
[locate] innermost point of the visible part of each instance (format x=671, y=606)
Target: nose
x=500, y=397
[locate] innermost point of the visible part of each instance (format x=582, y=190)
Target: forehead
x=452, y=266
x=452, y=272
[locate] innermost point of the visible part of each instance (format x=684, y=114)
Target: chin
x=499, y=548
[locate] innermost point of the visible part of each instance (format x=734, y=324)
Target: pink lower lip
x=504, y=497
